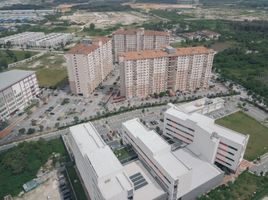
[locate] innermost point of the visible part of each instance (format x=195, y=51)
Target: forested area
x=20, y=164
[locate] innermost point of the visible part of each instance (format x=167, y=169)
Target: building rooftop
x=88, y=48
x=13, y=76
x=202, y=171
x=108, y=169
x=198, y=104
x=142, y=31
x=160, y=150
x=150, y=190
x=207, y=124
x=150, y=54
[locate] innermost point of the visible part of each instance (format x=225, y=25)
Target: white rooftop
x=160, y=150
x=207, y=124
x=11, y=77
x=102, y=159
x=202, y=171
x=152, y=190
x=198, y=104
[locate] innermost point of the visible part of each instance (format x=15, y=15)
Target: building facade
x=21, y=39
x=154, y=71
x=52, y=40
x=88, y=65
x=138, y=40
x=229, y=148
x=184, y=174
x=104, y=177
x=17, y=89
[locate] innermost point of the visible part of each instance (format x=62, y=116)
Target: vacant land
x=106, y=19
x=161, y=6
x=21, y=164
x=246, y=186
x=258, y=138
x=8, y=56
x=50, y=70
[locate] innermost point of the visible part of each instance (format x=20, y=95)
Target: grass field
x=246, y=187
x=50, y=70
x=7, y=57
x=258, y=140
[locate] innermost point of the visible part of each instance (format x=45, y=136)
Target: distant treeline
x=157, y=1
x=26, y=7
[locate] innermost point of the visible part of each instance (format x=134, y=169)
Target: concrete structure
x=219, y=144
x=202, y=106
x=88, y=65
x=21, y=39
x=103, y=175
x=52, y=40
x=138, y=40
x=184, y=174
x=17, y=89
x=154, y=71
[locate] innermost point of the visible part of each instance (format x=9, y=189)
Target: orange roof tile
x=150, y=54
x=86, y=49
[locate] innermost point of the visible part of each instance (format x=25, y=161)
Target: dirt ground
x=50, y=188
x=106, y=19
x=148, y=6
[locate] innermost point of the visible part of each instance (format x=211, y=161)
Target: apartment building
x=21, y=39
x=228, y=148
x=184, y=173
x=88, y=64
x=104, y=177
x=154, y=71
x=52, y=40
x=17, y=89
x=138, y=40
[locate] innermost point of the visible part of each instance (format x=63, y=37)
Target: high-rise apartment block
x=138, y=40
x=88, y=65
x=226, y=147
x=154, y=71
x=17, y=89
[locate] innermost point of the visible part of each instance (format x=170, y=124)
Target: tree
x=30, y=131
x=27, y=54
x=22, y=131
x=92, y=26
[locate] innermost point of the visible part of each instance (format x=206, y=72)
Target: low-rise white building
x=52, y=40
x=184, y=174
x=103, y=175
x=17, y=89
x=21, y=39
x=228, y=147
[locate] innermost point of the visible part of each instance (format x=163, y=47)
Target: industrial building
x=103, y=175
x=17, y=89
x=138, y=40
x=184, y=174
x=226, y=146
x=155, y=71
x=88, y=64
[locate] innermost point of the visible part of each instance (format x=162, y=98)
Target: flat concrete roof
x=11, y=77
x=151, y=190
x=108, y=169
x=202, y=171
x=160, y=150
